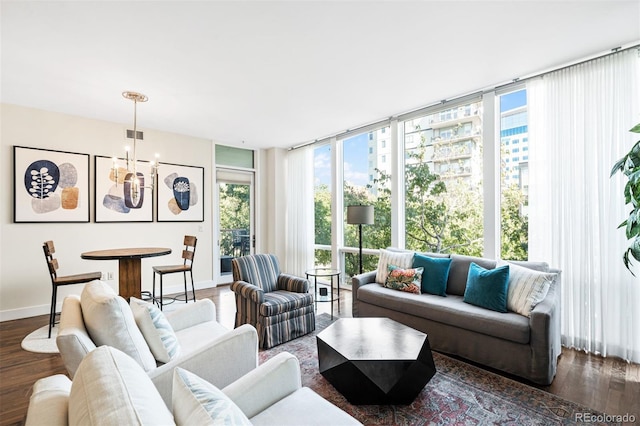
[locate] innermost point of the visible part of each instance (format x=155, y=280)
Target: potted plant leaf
x=629, y=165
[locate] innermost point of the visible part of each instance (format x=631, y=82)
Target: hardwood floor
x=603, y=384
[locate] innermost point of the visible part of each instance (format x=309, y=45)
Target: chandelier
x=134, y=181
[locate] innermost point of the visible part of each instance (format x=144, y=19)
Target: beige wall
x=25, y=288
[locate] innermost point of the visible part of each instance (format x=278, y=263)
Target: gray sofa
x=513, y=343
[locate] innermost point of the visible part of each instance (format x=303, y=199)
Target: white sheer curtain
x=299, y=220
x=579, y=119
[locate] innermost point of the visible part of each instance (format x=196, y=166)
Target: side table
x=325, y=273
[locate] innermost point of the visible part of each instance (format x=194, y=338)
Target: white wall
x=25, y=287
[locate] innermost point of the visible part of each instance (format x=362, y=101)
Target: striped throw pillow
x=527, y=288
x=156, y=330
x=399, y=259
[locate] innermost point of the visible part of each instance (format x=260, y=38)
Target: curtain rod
x=515, y=81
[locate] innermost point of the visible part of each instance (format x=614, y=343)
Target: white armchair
x=207, y=348
x=273, y=394
x=111, y=388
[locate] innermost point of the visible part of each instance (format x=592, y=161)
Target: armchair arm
x=259, y=389
x=248, y=291
x=49, y=402
x=73, y=339
x=292, y=283
x=357, y=282
x=192, y=314
x=545, y=332
x=223, y=361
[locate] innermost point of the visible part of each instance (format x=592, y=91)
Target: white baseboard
x=33, y=311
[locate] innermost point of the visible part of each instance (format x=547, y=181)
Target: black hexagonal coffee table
x=375, y=360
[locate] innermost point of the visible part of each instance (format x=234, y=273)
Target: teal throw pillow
x=487, y=288
x=404, y=279
x=435, y=275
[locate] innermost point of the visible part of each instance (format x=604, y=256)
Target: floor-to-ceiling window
x=367, y=181
x=322, y=204
x=443, y=180
x=514, y=175
x=464, y=185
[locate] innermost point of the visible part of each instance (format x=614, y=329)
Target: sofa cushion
x=388, y=257
x=488, y=288
x=281, y=301
x=435, y=275
x=303, y=407
x=459, y=272
x=408, y=280
x=200, y=335
x=156, y=330
x=527, y=288
x=110, y=322
x=110, y=388
x=197, y=402
x=450, y=310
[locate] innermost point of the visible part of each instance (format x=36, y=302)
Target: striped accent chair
x=278, y=305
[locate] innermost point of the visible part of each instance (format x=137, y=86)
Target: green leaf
x=633, y=230
x=635, y=129
x=634, y=177
x=635, y=249
x=623, y=224
x=634, y=155
x=627, y=193
x=618, y=166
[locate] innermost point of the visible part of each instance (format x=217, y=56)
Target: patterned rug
x=459, y=394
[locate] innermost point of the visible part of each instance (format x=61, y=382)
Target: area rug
x=458, y=394
x=38, y=341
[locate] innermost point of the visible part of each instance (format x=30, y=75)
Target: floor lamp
x=360, y=215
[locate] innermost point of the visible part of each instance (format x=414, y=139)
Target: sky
x=513, y=100
x=356, y=163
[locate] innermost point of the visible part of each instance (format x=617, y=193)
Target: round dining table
x=129, y=266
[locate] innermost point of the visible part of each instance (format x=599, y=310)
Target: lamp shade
x=360, y=215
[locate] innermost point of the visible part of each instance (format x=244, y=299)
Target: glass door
x=236, y=235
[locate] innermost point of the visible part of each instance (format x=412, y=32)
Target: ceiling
x=278, y=74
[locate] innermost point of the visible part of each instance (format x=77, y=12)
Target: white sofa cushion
x=109, y=321
x=197, y=402
x=304, y=406
x=110, y=388
x=156, y=330
x=527, y=288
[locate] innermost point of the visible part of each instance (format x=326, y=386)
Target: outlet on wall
x=109, y=276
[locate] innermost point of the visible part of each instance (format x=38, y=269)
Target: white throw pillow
x=403, y=260
x=527, y=288
x=110, y=388
x=197, y=402
x=110, y=322
x=156, y=330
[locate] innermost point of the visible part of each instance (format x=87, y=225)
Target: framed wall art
x=50, y=186
x=116, y=199
x=180, y=192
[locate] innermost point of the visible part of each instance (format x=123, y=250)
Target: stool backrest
x=49, y=249
x=189, y=251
